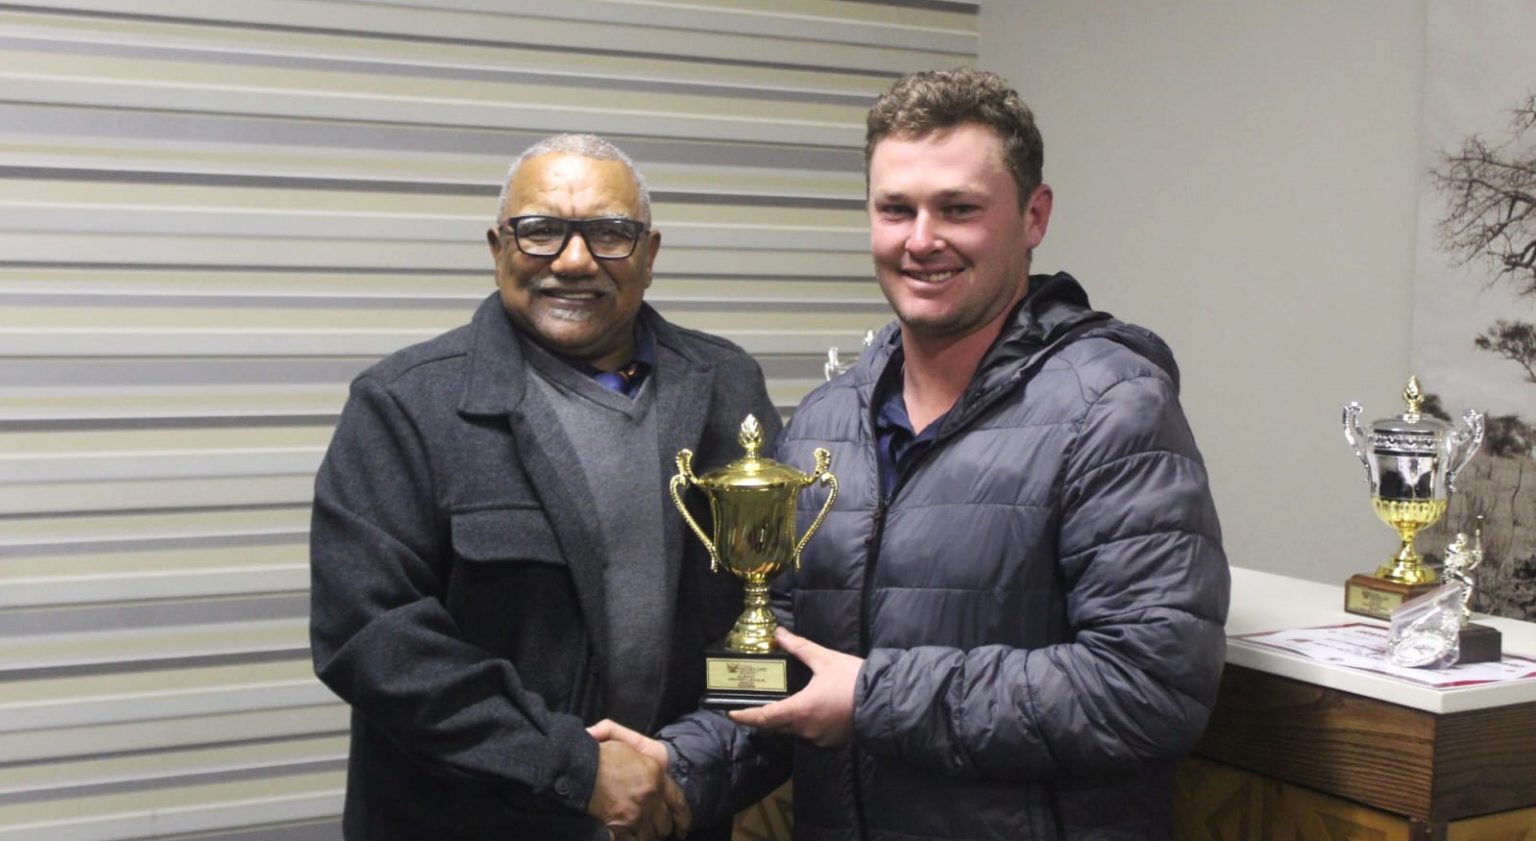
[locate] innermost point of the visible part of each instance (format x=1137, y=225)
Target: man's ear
x=1037, y=215
x=653, y=245
x=494, y=240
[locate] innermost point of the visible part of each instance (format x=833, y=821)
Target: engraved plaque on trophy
x=752, y=503
x=1411, y=461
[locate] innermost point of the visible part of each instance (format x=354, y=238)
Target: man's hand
x=822, y=712
x=633, y=795
x=610, y=730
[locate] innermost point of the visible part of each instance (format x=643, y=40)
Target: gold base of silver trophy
x=1411, y=461
x=1404, y=576
x=752, y=503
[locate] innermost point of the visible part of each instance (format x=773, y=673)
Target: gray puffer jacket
x=1039, y=601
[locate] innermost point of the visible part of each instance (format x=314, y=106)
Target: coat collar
x=497, y=383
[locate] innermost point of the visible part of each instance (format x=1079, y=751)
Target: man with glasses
x=494, y=565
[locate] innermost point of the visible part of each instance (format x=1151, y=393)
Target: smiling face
x=573, y=303
x=951, y=246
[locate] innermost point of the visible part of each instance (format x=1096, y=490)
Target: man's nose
x=923, y=238
x=575, y=259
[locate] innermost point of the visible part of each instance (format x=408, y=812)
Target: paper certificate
x=1364, y=647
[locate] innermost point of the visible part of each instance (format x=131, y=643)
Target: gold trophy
x=1411, y=461
x=752, y=502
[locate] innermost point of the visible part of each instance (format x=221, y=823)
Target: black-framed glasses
x=607, y=238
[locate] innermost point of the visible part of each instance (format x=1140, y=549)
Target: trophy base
x=1368, y=595
x=735, y=680
x=1480, y=644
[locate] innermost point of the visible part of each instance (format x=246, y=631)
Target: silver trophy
x=1411, y=461
x=1476, y=643
x=1461, y=558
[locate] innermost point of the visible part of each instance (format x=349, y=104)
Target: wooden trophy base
x=735, y=680
x=1375, y=597
x=1480, y=644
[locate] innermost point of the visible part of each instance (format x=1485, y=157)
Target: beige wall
x=1242, y=178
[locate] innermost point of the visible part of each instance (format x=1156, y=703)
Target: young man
x=1014, y=611
x=495, y=566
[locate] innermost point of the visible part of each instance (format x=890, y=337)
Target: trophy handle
x=1464, y=443
x=823, y=461
x=833, y=365
x=680, y=483
x=1357, y=438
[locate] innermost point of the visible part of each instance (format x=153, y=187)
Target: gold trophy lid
x=752, y=471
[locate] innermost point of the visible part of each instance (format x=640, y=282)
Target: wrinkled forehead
x=574, y=186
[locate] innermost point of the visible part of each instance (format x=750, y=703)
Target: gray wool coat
x=458, y=589
x=1039, y=601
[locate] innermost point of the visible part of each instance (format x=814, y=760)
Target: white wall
x=1242, y=178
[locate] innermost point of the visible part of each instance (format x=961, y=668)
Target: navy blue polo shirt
x=630, y=376
x=899, y=448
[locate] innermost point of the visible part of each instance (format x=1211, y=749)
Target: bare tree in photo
x=1490, y=190
x=1492, y=194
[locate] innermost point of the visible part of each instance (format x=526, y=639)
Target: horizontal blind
x=214, y=215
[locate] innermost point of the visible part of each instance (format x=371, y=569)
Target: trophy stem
x=753, y=631
x=1407, y=566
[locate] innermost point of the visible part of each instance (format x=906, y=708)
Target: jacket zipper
x=871, y=558
x=876, y=537
x=872, y=554
x=855, y=756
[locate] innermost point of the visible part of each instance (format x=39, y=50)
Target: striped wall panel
x=213, y=215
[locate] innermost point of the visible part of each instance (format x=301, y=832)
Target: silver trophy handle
x=1357, y=438
x=835, y=365
x=1464, y=440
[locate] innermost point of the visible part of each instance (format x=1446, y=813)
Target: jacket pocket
x=511, y=594
x=505, y=534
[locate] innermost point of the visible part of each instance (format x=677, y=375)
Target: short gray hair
x=582, y=145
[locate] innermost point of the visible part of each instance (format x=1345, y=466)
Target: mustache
x=555, y=283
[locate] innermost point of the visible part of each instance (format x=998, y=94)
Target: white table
x=1263, y=601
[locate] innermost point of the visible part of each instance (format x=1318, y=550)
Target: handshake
x=633, y=796
x=636, y=799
